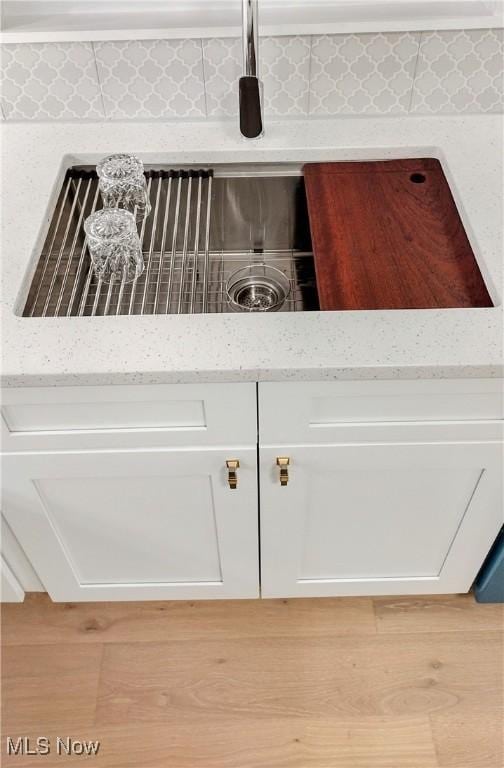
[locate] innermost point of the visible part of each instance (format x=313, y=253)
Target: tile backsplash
x=151, y=79
x=363, y=74
x=50, y=81
x=400, y=72
x=460, y=72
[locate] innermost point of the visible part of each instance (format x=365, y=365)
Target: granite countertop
x=241, y=347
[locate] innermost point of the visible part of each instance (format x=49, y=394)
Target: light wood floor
x=329, y=683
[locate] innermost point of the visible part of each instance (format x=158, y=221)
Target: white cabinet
x=375, y=519
x=121, y=417
x=136, y=525
x=11, y=590
x=394, y=487
x=123, y=493
x=17, y=574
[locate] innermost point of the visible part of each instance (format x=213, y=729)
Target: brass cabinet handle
x=283, y=462
x=232, y=465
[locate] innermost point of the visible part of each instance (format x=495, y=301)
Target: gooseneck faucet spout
x=251, y=97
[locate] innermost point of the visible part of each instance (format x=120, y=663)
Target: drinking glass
x=122, y=184
x=114, y=245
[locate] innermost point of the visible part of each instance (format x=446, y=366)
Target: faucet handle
x=250, y=87
x=251, y=121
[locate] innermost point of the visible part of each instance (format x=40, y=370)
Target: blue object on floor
x=489, y=584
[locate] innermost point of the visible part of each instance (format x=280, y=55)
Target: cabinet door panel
x=386, y=512
x=378, y=519
x=136, y=529
x=136, y=525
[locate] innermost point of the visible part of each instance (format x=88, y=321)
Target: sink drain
x=257, y=297
x=257, y=288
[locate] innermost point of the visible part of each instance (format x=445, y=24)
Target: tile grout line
x=308, y=113
x=204, y=77
x=415, y=70
x=102, y=98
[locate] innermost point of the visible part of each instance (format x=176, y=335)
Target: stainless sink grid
x=200, y=230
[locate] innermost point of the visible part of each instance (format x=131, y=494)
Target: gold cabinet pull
x=232, y=465
x=283, y=462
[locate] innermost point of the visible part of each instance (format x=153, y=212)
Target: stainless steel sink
x=204, y=225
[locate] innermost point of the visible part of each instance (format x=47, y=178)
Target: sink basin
x=205, y=224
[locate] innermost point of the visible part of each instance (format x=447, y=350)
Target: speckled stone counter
x=242, y=347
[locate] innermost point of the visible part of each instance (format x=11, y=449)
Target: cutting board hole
x=417, y=178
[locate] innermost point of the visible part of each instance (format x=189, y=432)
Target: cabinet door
x=136, y=525
x=11, y=590
x=378, y=519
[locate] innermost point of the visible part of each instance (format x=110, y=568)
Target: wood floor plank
x=251, y=684
x=286, y=677
x=38, y=620
x=436, y=613
x=265, y=743
x=471, y=737
x=49, y=685
x=56, y=661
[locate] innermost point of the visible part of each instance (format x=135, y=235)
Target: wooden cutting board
x=387, y=235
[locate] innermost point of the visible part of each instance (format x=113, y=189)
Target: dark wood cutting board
x=387, y=235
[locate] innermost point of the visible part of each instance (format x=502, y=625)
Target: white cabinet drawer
x=325, y=412
x=49, y=418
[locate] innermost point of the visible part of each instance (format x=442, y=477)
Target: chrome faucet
x=251, y=96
